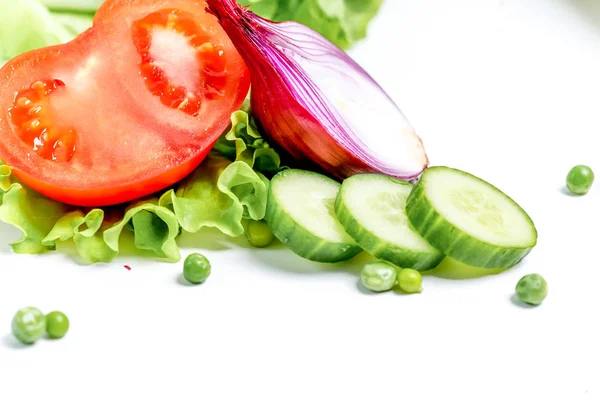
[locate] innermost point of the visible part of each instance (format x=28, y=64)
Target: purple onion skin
x=285, y=121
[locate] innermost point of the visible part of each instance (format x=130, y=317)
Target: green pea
x=57, y=324
x=258, y=233
x=29, y=325
x=410, y=280
x=196, y=268
x=378, y=276
x=532, y=289
x=580, y=179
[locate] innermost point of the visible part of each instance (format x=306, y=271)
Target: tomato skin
x=129, y=143
x=132, y=191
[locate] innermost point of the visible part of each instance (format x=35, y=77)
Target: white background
x=508, y=90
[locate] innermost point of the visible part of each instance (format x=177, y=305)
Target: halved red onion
x=316, y=103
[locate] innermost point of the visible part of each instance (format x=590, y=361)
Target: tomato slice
x=127, y=109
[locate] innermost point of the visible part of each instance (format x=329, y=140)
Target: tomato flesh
x=177, y=86
x=127, y=109
x=32, y=117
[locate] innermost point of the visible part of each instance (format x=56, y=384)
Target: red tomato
x=128, y=108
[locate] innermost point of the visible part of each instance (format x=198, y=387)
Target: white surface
x=508, y=90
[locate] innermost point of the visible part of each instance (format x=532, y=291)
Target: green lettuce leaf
x=73, y=5
x=265, y=8
x=219, y=194
x=86, y=230
x=5, y=180
x=97, y=236
x=33, y=214
x=155, y=228
x=243, y=142
x=27, y=25
x=343, y=22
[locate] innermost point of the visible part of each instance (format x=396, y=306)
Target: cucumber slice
x=300, y=213
x=371, y=208
x=470, y=220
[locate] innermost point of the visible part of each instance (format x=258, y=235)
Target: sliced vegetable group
x=447, y=213
x=132, y=112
